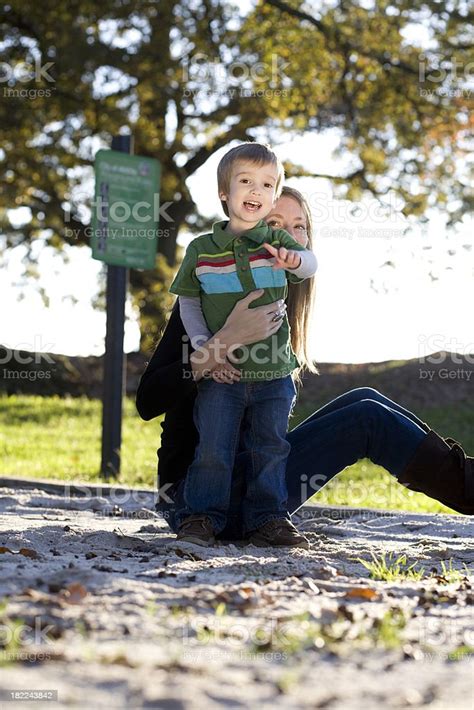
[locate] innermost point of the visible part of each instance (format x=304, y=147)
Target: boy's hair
x=258, y=153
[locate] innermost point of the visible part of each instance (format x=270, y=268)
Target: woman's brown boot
x=441, y=469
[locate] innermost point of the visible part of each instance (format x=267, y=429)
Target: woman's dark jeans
x=359, y=424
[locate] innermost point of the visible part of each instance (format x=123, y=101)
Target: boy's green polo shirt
x=221, y=269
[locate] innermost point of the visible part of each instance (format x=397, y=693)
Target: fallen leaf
x=25, y=551
x=361, y=593
x=74, y=593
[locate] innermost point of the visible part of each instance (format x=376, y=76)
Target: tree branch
x=334, y=34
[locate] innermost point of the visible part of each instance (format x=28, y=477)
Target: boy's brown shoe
x=278, y=533
x=197, y=529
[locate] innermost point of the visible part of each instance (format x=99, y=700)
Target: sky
x=383, y=291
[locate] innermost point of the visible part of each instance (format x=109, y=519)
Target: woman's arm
x=169, y=377
x=166, y=378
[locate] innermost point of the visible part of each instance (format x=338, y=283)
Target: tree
x=190, y=76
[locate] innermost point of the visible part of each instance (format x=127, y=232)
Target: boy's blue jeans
x=360, y=423
x=252, y=418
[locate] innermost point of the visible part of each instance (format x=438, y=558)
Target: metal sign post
x=115, y=360
x=124, y=234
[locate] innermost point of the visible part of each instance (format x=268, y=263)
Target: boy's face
x=251, y=193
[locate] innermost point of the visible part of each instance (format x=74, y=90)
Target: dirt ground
x=101, y=605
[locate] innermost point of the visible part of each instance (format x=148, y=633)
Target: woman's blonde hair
x=300, y=299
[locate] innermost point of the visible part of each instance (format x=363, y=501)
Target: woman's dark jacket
x=167, y=386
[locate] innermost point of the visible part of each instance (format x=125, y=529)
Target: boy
x=241, y=255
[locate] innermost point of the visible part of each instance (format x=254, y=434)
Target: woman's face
x=287, y=214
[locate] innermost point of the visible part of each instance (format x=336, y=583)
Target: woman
x=361, y=423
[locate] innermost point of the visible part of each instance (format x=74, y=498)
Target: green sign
x=125, y=212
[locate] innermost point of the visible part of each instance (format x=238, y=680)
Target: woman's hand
x=285, y=258
x=243, y=326
x=246, y=325
x=226, y=373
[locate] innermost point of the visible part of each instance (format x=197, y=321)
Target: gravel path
x=102, y=605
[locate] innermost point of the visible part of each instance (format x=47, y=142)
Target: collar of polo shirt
x=223, y=239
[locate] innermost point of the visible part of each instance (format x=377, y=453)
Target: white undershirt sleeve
x=193, y=319
x=308, y=266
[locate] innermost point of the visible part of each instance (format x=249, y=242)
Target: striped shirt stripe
x=215, y=263
x=215, y=269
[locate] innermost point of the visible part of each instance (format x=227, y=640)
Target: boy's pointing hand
x=285, y=258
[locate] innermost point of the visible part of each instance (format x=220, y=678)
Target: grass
x=367, y=485
x=387, y=631
x=392, y=569
x=450, y=575
x=60, y=438
x=396, y=568
x=53, y=437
